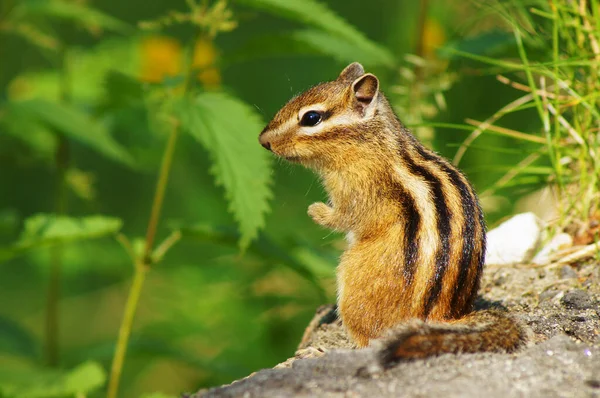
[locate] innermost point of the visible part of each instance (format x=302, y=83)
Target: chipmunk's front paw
x=321, y=213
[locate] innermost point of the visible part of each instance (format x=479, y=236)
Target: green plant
x=78, y=106
x=554, y=64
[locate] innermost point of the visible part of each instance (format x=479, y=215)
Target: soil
x=560, y=305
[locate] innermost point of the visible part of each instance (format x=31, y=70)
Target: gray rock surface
x=562, y=358
x=558, y=367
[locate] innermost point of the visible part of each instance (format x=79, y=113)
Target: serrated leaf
x=314, y=13
x=14, y=339
x=228, y=129
x=42, y=383
x=76, y=125
x=72, y=11
x=42, y=230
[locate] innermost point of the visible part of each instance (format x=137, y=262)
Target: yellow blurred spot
x=205, y=56
x=433, y=38
x=19, y=88
x=82, y=183
x=161, y=57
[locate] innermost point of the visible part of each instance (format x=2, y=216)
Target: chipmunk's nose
x=266, y=144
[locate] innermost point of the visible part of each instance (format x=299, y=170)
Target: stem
x=159, y=194
x=125, y=329
x=142, y=265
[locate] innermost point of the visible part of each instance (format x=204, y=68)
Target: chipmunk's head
x=326, y=122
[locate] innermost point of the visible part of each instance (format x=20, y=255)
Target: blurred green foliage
x=94, y=95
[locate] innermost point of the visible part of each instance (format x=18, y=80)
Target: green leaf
x=76, y=125
x=42, y=383
x=228, y=129
x=74, y=12
x=14, y=339
x=39, y=139
x=316, y=14
x=85, y=378
x=42, y=230
x=342, y=49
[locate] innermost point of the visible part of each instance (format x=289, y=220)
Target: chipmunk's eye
x=311, y=118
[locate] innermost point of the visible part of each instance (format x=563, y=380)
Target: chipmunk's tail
x=480, y=331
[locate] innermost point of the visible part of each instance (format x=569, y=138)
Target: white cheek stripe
x=344, y=119
x=336, y=121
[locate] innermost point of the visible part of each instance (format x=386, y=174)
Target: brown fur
x=415, y=229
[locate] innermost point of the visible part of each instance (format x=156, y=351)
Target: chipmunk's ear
x=351, y=72
x=365, y=90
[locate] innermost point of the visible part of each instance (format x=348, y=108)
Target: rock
x=548, y=295
x=555, y=368
x=514, y=241
x=577, y=299
x=558, y=242
x=567, y=272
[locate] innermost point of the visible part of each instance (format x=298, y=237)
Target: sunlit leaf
x=228, y=129
x=43, y=230
x=317, y=14
x=72, y=11
x=43, y=383
x=14, y=339
x=76, y=125
x=85, y=378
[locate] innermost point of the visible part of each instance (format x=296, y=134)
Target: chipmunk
x=415, y=230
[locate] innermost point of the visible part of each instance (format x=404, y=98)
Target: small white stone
x=514, y=241
x=558, y=242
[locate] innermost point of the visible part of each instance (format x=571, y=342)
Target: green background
x=208, y=314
